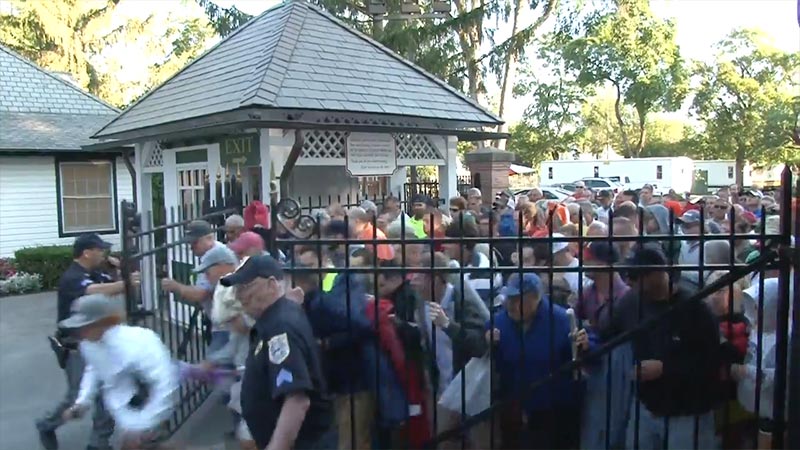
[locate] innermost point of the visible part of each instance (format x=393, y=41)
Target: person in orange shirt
x=364, y=229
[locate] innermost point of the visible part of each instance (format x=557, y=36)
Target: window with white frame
x=191, y=189
x=87, y=196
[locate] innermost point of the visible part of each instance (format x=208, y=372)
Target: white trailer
x=666, y=173
x=722, y=172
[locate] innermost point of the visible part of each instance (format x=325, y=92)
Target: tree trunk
x=626, y=148
x=509, y=68
x=509, y=71
x=469, y=39
x=642, y=134
x=740, y=165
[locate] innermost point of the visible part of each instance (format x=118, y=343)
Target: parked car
x=569, y=187
x=598, y=184
x=549, y=192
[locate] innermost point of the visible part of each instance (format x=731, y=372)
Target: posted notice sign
x=371, y=154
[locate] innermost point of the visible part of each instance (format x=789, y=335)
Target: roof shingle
x=41, y=112
x=298, y=56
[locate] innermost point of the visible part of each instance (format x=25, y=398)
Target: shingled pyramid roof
x=41, y=112
x=298, y=57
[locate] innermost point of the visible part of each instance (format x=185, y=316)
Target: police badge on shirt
x=278, y=347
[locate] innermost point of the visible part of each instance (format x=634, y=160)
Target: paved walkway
x=32, y=383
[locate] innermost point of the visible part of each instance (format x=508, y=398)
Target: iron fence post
x=793, y=416
x=128, y=219
x=782, y=341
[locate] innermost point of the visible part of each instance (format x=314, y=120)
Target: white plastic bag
x=477, y=390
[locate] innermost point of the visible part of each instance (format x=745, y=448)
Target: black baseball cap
x=605, y=193
x=88, y=241
x=262, y=266
x=650, y=254
x=195, y=230
x=421, y=198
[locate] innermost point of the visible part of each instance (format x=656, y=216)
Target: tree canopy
x=747, y=100
x=634, y=51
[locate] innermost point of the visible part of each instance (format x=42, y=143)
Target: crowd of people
x=388, y=327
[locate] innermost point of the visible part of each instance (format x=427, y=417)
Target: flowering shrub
x=21, y=283
x=48, y=261
x=7, y=268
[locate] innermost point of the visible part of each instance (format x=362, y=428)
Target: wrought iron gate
x=158, y=252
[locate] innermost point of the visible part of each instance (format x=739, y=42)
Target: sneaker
x=48, y=439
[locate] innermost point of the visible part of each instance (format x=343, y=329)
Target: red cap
x=246, y=241
x=256, y=213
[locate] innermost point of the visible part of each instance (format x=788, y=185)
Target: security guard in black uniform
x=82, y=277
x=284, y=398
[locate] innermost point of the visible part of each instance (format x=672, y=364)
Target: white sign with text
x=371, y=154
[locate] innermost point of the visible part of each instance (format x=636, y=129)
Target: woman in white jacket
x=747, y=373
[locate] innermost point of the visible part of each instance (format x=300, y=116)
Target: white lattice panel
x=415, y=146
x=155, y=158
x=322, y=144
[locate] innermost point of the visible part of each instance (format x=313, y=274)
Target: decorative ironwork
x=290, y=215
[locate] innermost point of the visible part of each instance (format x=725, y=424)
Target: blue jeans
x=597, y=406
x=677, y=431
x=102, y=422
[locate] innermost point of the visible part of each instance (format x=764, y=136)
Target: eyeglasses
x=455, y=210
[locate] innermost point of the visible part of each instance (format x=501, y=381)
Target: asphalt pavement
x=31, y=383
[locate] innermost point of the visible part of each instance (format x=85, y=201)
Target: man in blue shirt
x=532, y=338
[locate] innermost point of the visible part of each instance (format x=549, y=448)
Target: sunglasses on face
x=454, y=210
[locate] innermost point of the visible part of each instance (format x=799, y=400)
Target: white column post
x=448, y=180
x=281, y=145
x=266, y=163
x=212, y=169
x=171, y=199
x=144, y=204
x=144, y=194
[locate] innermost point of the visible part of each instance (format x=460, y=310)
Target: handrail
x=606, y=348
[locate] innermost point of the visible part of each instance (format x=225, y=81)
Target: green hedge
x=49, y=262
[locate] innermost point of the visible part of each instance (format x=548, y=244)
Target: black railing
x=334, y=258
x=397, y=296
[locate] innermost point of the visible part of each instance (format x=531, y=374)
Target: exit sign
x=240, y=151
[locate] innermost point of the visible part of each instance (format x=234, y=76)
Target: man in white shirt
x=129, y=366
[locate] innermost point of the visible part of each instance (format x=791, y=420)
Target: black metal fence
x=407, y=286
x=405, y=377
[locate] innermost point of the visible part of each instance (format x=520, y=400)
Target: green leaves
x=747, y=100
x=635, y=52
x=223, y=20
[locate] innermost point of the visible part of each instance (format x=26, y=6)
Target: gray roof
x=41, y=112
x=296, y=56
